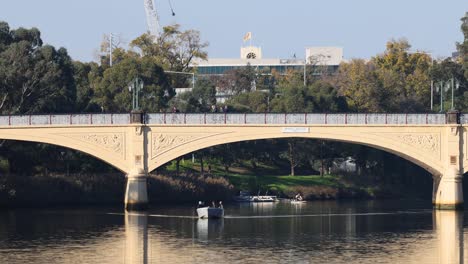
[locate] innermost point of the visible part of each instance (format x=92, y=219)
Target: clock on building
x=251, y=55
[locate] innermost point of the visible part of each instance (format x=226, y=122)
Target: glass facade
x=282, y=69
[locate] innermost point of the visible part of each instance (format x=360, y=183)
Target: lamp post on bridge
x=135, y=87
x=445, y=86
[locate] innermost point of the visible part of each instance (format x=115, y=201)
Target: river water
x=316, y=232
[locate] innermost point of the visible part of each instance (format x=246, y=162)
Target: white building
x=329, y=57
x=316, y=56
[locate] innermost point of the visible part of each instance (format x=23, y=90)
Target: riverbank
x=107, y=189
x=169, y=187
x=274, y=181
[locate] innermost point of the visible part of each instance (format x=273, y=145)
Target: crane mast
x=152, y=18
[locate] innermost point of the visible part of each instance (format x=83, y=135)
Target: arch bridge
x=138, y=143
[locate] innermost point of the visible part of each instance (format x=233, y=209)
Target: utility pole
x=111, y=44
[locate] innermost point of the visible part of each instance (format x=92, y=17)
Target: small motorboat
x=210, y=212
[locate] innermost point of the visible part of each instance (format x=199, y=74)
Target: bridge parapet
x=69, y=119
x=464, y=119
x=231, y=119
x=294, y=118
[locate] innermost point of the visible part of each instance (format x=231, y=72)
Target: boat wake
x=280, y=216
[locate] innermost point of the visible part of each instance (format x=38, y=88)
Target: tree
x=200, y=99
x=291, y=100
x=256, y=102
x=34, y=78
x=84, y=73
x=463, y=46
x=323, y=97
x=404, y=77
x=111, y=89
x=174, y=49
x=357, y=81
x=237, y=81
x=205, y=92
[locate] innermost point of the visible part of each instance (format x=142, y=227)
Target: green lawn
x=245, y=179
x=280, y=183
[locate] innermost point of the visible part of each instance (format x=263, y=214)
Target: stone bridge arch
x=108, y=144
x=420, y=145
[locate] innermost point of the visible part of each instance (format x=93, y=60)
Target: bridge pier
x=136, y=193
x=448, y=190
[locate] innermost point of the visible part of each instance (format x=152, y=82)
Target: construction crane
x=152, y=18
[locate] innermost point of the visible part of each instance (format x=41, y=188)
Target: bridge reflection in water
x=136, y=238
x=140, y=247
x=449, y=229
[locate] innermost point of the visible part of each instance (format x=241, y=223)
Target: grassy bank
x=263, y=180
x=312, y=187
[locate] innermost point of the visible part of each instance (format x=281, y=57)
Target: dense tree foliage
x=111, y=91
x=34, y=77
x=174, y=49
x=463, y=46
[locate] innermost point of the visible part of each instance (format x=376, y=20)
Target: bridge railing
x=294, y=118
x=231, y=118
x=70, y=119
x=464, y=118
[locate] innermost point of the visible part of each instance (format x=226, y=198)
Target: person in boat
x=200, y=204
x=213, y=204
x=298, y=197
x=220, y=204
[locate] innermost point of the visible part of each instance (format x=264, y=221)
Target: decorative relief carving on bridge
x=429, y=142
x=113, y=142
x=161, y=143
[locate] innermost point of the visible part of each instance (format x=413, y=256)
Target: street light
x=453, y=84
x=135, y=86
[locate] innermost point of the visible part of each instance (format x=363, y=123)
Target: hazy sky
x=282, y=28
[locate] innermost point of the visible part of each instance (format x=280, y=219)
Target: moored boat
x=245, y=197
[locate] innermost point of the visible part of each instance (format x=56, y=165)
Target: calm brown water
x=316, y=232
